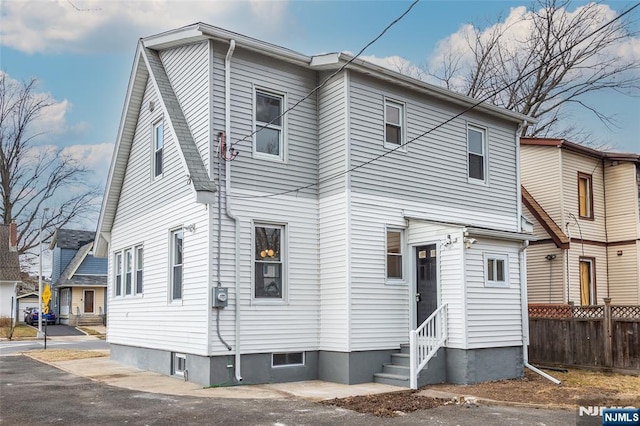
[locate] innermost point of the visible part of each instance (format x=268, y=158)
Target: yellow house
x=584, y=206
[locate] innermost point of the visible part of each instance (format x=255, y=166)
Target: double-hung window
x=139, y=253
x=496, y=270
x=587, y=281
x=268, y=140
x=128, y=277
x=394, y=254
x=585, y=196
x=176, y=255
x=268, y=261
x=393, y=123
x=477, y=153
x=118, y=268
x=158, y=148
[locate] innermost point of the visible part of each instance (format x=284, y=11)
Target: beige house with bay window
x=584, y=205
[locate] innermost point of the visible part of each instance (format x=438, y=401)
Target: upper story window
x=268, y=262
x=393, y=123
x=477, y=153
x=496, y=270
x=268, y=141
x=394, y=254
x=158, y=148
x=585, y=196
x=176, y=263
x=118, y=274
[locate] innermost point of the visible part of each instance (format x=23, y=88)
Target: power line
x=321, y=85
x=426, y=132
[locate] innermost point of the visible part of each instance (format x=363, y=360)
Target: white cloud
x=397, y=64
x=88, y=25
x=95, y=158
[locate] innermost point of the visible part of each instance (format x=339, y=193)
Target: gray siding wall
x=92, y=266
x=433, y=170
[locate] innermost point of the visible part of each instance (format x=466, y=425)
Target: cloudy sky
x=82, y=50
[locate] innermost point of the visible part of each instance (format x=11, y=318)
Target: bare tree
x=34, y=176
x=543, y=62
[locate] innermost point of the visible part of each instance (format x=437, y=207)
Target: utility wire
x=321, y=85
x=426, y=132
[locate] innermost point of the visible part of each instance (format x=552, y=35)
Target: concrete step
x=400, y=370
x=89, y=321
x=392, y=379
x=400, y=359
x=405, y=348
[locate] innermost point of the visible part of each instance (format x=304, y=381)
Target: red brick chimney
x=13, y=237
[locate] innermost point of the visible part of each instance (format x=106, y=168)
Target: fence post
x=608, y=339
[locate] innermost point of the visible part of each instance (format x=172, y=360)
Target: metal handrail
x=425, y=341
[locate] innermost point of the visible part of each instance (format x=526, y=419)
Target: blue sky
x=82, y=51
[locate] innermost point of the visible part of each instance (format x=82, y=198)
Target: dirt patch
x=388, y=404
x=578, y=387
x=54, y=355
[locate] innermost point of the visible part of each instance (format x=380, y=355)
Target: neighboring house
x=9, y=270
x=79, y=279
x=584, y=204
x=320, y=256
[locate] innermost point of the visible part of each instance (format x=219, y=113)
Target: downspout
x=525, y=315
x=227, y=183
x=568, y=269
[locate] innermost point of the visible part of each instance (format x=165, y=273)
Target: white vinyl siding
x=494, y=316
x=546, y=281
x=145, y=214
x=433, y=171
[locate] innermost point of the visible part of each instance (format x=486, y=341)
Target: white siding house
x=333, y=222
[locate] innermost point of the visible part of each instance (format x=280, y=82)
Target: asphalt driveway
x=61, y=330
x=35, y=393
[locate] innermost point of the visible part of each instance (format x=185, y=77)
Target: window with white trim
x=268, y=140
x=176, y=263
x=393, y=123
x=128, y=272
x=268, y=261
x=118, y=274
x=477, y=153
x=395, y=264
x=158, y=148
x=139, y=255
x=179, y=364
x=496, y=270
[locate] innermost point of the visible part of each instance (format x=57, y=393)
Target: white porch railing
x=425, y=341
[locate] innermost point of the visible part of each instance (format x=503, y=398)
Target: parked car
x=31, y=317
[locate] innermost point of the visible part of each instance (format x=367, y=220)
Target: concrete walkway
x=115, y=374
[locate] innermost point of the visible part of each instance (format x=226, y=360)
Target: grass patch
x=90, y=331
x=20, y=331
x=54, y=355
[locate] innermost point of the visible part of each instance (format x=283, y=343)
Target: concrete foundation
x=456, y=366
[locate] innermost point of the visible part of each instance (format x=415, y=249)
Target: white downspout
x=227, y=187
x=525, y=315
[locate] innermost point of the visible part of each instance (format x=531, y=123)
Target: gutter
x=525, y=315
x=227, y=183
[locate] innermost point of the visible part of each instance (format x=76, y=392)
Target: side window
x=128, y=265
x=496, y=270
x=118, y=274
x=158, y=148
x=394, y=254
x=476, y=150
x=268, y=140
x=587, y=281
x=393, y=123
x=176, y=256
x=139, y=252
x=268, y=262
x=585, y=196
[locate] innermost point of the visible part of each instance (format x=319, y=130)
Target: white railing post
x=413, y=362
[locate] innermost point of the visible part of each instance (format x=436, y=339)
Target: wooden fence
x=603, y=336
